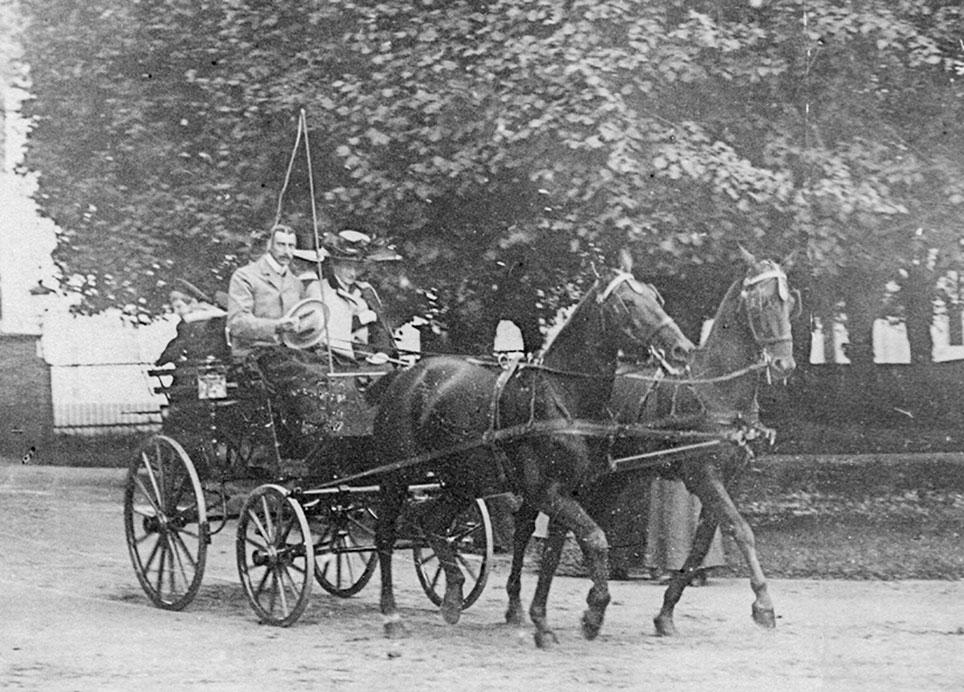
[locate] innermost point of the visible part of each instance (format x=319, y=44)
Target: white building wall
x=890, y=343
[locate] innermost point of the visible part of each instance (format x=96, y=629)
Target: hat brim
x=309, y=255
x=312, y=317
x=340, y=257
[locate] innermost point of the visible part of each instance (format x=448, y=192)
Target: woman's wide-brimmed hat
x=306, y=249
x=352, y=245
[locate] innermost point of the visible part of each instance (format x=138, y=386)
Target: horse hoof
x=591, y=624
x=664, y=626
x=452, y=604
x=764, y=617
x=396, y=629
x=513, y=616
x=545, y=639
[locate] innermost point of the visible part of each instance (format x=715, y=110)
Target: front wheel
x=165, y=521
x=471, y=537
x=275, y=555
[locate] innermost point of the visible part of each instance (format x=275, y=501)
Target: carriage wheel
x=275, y=555
x=345, y=548
x=471, y=536
x=166, y=523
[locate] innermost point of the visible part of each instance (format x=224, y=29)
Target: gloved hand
x=367, y=316
x=377, y=359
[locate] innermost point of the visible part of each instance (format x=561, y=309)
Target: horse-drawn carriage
x=447, y=431
x=227, y=451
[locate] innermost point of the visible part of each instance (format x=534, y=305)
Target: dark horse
x=750, y=336
x=482, y=430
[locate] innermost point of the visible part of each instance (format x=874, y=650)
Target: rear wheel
x=275, y=555
x=345, y=549
x=165, y=522
x=471, y=537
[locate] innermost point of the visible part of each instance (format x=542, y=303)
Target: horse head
x=633, y=310
x=770, y=305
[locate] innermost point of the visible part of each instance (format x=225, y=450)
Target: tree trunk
x=862, y=296
x=917, y=296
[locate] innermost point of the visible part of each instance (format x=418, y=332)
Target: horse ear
x=625, y=261
x=746, y=255
x=790, y=259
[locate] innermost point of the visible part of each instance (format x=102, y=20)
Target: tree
x=506, y=146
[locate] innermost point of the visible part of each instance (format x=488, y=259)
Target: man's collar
x=273, y=263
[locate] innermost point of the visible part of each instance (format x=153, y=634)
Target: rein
x=579, y=428
x=763, y=363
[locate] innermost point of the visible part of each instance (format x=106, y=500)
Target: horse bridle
x=754, y=312
x=647, y=342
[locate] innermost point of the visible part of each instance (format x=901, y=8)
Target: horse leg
x=762, y=608
x=525, y=526
x=548, y=564
x=434, y=520
x=385, y=531
x=566, y=512
x=705, y=530
x=718, y=503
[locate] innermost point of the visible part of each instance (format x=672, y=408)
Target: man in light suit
x=262, y=292
x=260, y=295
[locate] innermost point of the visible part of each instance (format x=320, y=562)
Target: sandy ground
x=73, y=617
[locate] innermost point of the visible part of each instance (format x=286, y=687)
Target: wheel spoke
x=467, y=566
x=274, y=589
x=192, y=534
x=147, y=494
x=264, y=580
x=142, y=513
x=176, y=557
x=187, y=551
x=433, y=582
x=259, y=527
x=288, y=580
x=160, y=567
x=269, y=526
x=154, y=551
x=465, y=531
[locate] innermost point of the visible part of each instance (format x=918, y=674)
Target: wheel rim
x=165, y=521
x=471, y=536
x=343, y=533
x=275, y=555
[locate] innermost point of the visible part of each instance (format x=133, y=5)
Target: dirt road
x=74, y=618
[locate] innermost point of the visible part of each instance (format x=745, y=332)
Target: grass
x=870, y=516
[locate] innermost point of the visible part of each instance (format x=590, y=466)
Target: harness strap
x=501, y=460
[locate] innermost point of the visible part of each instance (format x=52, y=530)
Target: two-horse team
x=544, y=433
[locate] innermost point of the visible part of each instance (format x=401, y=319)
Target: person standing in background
x=673, y=515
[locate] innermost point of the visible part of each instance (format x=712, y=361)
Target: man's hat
x=352, y=245
x=312, y=320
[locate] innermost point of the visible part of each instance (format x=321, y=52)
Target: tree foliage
x=503, y=145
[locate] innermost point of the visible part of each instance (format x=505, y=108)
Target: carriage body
x=227, y=454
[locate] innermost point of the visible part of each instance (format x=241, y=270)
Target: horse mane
x=551, y=338
x=724, y=306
